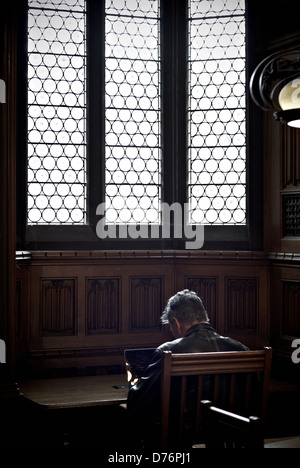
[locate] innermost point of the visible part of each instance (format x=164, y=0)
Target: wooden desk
x=289, y=442
x=76, y=392
x=72, y=412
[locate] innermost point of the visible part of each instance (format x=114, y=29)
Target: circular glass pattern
x=216, y=114
x=132, y=86
x=56, y=112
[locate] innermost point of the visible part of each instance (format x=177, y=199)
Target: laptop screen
x=136, y=362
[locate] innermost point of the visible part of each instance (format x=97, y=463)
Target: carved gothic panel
x=58, y=307
x=206, y=288
x=18, y=307
x=242, y=303
x=146, y=303
x=291, y=308
x=102, y=305
x=290, y=155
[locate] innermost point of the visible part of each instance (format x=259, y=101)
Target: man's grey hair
x=186, y=306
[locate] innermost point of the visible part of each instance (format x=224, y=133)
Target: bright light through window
x=217, y=112
x=56, y=112
x=133, y=116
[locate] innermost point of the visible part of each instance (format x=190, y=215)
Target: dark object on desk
x=136, y=362
x=224, y=372
x=223, y=429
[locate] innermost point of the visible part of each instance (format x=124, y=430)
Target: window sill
x=219, y=238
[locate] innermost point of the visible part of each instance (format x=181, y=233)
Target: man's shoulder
x=201, y=342
x=231, y=344
x=169, y=345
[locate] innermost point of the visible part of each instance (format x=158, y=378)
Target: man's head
x=182, y=311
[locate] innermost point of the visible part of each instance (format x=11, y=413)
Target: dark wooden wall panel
x=102, y=305
x=58, y=307
x=282, y=227
x=291, y=308
x=242, y=303
x=85, y=308
x=146, y=303
x=285, y=306
x=282, y=188
x=207, y=289
x=235, y=292
x=285, y=317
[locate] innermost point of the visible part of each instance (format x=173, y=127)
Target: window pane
x=217, y=112
x=56, y=112
x=132, y=93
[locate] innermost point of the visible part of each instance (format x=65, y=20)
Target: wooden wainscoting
x=285, y=317
x=78, y=311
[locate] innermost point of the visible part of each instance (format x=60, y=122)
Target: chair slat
x=182, y=405
x=198, y=403
x=232, y=391
x=216, y=388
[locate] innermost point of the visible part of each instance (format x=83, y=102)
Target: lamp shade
x=289, y=96
x=275, y=85
x=289, y=100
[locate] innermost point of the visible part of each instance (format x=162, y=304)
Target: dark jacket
x=144, y=398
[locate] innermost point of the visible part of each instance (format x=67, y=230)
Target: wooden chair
x=223, y=429
x=229, y=379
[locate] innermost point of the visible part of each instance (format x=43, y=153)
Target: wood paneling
x=285, y=306
x=285, y=315
x=102, y=305
x=146, y=303
x=85, y=308
x=282, y=227
x=282, y=187
x=291, y=215
x=291, y=308
x=8, y=150
x=58, y=307
x=242, y=303
x=206, y=288
x=290, y=149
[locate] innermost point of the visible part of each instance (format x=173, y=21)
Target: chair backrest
x=224, y=429
x=231, y=380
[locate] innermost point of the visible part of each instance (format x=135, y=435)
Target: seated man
x=189, y=323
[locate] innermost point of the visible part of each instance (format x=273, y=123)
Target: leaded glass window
x=133, y=116
x=217, y=112
x=56, y=112
x=158, y=131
